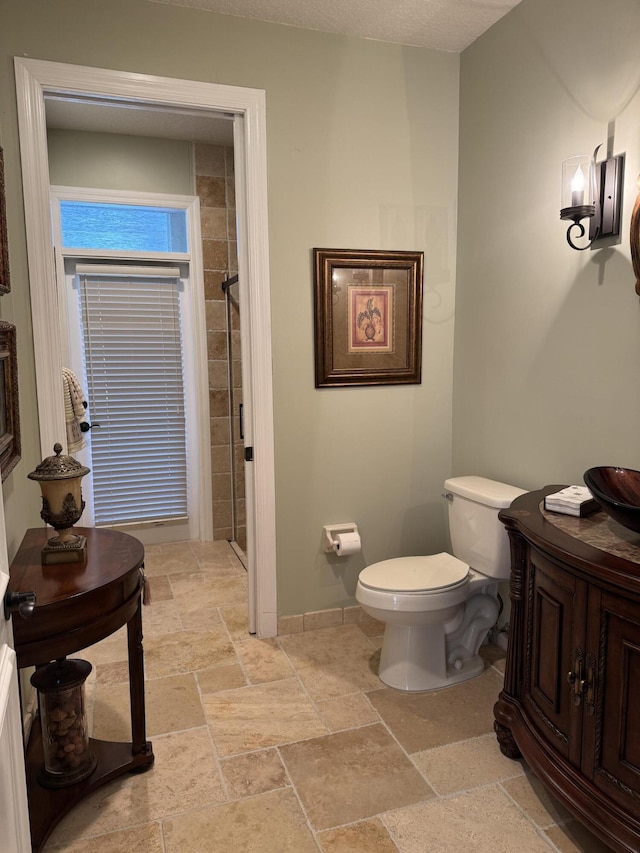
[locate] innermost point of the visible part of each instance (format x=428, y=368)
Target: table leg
x=140, y=745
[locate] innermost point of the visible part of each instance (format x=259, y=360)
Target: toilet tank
x=478, y=537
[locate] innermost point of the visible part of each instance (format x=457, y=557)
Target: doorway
x=36, y=79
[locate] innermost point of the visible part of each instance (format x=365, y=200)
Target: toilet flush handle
x=447, y=496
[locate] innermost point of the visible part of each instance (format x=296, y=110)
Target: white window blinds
x=134, y=370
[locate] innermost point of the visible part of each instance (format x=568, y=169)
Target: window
x=125, y=227
x=135, y=384
x=134, y=335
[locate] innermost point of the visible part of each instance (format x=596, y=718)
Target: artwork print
x=370, y=319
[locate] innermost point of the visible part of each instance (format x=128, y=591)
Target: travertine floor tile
x=271, y=762
x=460, y=766
x=142, y=839
x=168, y=559
x=482, y=821
x=356, y=774
x=263, y=660
x=573, y=837
x=370, y=626
x=207, y=590
x=253, y=773
x=534, y=799
x=187, y=651
x=112, y=673
x=217, y=549
x=198, y=594
x=425, y=720
x=236, y=619
x=160, y=617
x=333, y=661
x=347, y=712
x=172, y=704
x=185, y=776
x=221, y=678
x=109, y=650
x=264, y=715
x=221, y=567
x=368, y=836
x=493, y=655
x=269, y=823
x=160, y=588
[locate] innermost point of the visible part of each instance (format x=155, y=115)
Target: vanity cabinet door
x=556, y=633
x=612, y=725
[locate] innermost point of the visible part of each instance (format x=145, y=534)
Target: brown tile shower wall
x=216, y=191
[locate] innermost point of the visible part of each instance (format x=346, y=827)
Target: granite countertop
x=598, y=530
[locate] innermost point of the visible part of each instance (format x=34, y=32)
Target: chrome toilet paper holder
x=332, y=530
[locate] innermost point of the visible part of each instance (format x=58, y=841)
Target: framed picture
x=9, y=412
x=634, y=241
x=368, y=317
x=4, y=246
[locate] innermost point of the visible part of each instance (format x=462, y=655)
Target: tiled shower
x=216, y=191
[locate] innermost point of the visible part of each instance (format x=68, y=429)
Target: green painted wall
x=120, y=162
x=362, y=153
x=547, y=341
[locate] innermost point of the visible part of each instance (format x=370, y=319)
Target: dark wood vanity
x=571, y=699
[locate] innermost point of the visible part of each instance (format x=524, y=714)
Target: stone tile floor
x=293, y=744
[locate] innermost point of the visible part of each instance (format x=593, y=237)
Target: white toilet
x=438, y=609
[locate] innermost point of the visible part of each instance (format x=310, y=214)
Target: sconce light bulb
x=578, y=180
x=577, y=188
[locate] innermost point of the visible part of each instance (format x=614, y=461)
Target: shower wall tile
x=218, y=374
x=222, y=486
x=213, y=223
x=220, y=431
x=213, y=284
x=215, y=315
x=217, y=345
x=220, y=461
x=218, y=403
x=215, y=254
x=214, y=167
x=211, y=160
x=211, y=191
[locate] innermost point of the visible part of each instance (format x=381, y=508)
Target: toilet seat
x=424, y=575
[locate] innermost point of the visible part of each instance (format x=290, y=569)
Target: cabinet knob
x=23, y=602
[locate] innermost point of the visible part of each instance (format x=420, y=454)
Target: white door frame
x=34, y=79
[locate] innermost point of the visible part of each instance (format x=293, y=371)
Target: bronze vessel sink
x=617, y=490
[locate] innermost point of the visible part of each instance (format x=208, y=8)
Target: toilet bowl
x=437, y=609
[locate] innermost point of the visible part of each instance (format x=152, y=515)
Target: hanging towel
x=75, y=406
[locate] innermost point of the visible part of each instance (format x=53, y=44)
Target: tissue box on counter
x=574, y=500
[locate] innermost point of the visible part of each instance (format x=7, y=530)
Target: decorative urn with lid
x=62, y=505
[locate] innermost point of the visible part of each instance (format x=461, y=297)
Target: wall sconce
x=592, y=191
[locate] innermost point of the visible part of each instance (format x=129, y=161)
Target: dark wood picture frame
x=5, y=286
x=368, y=317
x=9, y=411
x=634, y=239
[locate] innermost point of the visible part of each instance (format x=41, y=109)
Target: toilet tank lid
x=484, y=491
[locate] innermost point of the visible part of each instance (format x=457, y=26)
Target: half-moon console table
x=571, y=699
x=78, y=604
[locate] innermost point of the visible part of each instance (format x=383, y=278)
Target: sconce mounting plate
x=606, y=222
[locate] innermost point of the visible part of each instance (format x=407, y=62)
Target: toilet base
x=413, y=659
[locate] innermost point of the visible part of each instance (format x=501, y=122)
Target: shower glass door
x=236, y=444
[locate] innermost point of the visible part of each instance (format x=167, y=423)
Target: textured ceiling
x=449, y=25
